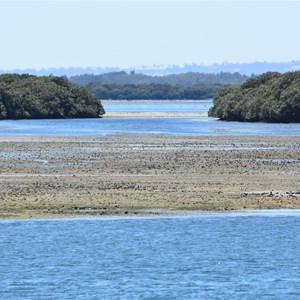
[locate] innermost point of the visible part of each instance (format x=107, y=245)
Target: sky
x=54, y=34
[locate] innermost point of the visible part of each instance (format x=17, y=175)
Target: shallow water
x=243, y=255
x=189, y=126
x=177, y=125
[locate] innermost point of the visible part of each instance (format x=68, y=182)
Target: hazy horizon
x=156, y=66
x=128, y=34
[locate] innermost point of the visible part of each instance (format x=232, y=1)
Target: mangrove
x=24, y=96
x=271, y=97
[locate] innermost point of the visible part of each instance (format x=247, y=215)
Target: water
x=200, y=106
x=178, y=125
x=250, y=255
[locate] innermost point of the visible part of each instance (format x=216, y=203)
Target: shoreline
x=152, y=214
x=144, y=174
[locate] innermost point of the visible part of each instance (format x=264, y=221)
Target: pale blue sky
x=43, y=34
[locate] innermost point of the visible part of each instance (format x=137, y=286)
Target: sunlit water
x=206, y=256
x=177, y=125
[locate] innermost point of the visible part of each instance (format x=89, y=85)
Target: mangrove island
x=31, y=97
x=271, y=97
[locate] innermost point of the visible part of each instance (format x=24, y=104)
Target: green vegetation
x=271, y=97
x=184, y=79
x=153, y=91
x=30, y=97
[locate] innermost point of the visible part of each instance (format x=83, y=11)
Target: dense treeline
x=271, y=97
x=184, y=79
x=26, y=96
x=153, y=91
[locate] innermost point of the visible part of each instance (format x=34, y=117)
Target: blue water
x=178, y=125
x=253, y=255
x=191, y=126
x=199, y=106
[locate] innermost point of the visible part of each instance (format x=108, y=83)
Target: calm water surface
x=200, y=106
x=253, y=255
x=178, y=125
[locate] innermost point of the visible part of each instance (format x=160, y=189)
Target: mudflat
x=145, y=174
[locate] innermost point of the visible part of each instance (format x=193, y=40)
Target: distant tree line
x=27, y=96
x=153, y=91
x=154, y=70
x=184, y=79
x=270, y=97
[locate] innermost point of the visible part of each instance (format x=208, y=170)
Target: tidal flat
x=140, y=174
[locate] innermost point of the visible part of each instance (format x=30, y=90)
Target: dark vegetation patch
x=270, y=97
x=31, y=97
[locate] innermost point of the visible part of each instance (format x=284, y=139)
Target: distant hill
x=184, y=79
x=270, y=97
x=242, y=68
x=32, y=97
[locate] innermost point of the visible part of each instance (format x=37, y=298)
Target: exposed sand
x=152, y=115
x=141, y=173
